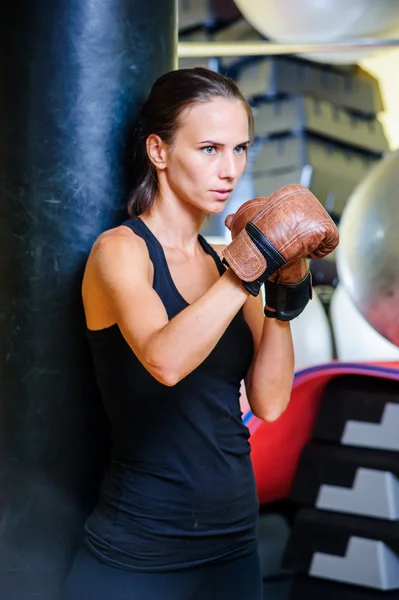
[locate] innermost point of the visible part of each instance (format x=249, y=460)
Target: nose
x=228, y=167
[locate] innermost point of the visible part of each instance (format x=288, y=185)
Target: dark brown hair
x=169, y=96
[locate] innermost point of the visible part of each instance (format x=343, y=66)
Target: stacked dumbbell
x=315, y=124
x=345, y=538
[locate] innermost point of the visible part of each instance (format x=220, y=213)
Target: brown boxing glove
x=289, y=289
x=268, y=234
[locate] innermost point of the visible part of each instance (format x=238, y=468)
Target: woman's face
x=209, y=154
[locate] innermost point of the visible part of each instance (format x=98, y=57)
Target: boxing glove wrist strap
x=274, y=260
x=285, y=301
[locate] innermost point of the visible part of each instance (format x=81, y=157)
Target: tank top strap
x=163, y=283
x=155, y=249
x=208, y=248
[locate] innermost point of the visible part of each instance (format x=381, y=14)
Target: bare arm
x=269, y=379
x=268, y=382
x=118, y=269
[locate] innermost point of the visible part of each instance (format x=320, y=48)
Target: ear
x=157, y=151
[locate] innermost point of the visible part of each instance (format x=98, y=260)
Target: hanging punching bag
x=73, y=74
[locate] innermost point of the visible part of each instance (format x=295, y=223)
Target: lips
x=221, y=194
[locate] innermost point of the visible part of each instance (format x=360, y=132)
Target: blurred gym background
x=327, y=471
x=321, y=76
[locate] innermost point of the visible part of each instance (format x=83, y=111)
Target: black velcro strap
x=274, y=259
x=286, y=301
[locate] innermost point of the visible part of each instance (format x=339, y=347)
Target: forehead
x=223, y=116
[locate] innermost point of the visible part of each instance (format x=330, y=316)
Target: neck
x=175, y=224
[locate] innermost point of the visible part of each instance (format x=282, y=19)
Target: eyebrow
x=213, y=143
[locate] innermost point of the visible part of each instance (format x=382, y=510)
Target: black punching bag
x=72, y=76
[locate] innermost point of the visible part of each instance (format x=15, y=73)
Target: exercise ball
x=355, y=340
x=328, y=21
x=368, y=253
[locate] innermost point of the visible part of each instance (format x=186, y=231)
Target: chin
x=216, y=208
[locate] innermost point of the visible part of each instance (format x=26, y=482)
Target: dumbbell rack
x=345, y=538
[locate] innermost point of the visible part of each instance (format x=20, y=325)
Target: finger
x=228, y=221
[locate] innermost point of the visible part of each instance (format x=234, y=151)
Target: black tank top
x=179, y=489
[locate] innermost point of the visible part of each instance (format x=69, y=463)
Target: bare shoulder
x=113, y=255
x=117, y=240
x=117, y=265
x=119, y=245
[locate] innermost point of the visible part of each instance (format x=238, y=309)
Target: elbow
x=273, y=416
x=168, y=378
x=271, y=413
x=163, y=372
x=270, y=416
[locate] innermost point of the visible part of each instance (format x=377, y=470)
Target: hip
x=148, y=519
x=233, y=579
x=162, y=543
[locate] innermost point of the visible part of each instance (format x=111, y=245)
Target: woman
x=173, y=333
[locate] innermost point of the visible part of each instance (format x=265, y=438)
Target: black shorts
x=235, y=579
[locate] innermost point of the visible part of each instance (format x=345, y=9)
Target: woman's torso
x=179, y=489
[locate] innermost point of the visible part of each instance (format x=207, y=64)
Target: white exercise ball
x=311, y=335
x=322, y=21
x=355, y=340
x=368, y=253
